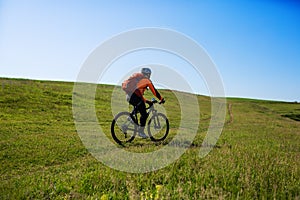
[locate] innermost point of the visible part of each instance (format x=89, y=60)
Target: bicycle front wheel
x=158, y=127
x=123, y=129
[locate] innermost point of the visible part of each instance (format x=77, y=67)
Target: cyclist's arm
x=144, y=83
x=154, y=90
x=141, y=87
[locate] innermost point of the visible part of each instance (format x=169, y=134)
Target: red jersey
x=142, y=86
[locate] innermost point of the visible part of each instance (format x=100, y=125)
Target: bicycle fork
x=156, y=120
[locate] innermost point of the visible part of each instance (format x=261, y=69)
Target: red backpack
x=130, y=85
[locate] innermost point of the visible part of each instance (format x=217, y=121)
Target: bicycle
x=125, y=126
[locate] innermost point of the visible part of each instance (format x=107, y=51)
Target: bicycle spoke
x=158, y=127
x=123, y=130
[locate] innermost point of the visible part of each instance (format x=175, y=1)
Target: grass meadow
x=42, y=157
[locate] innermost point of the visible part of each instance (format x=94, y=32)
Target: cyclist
x=137, y=97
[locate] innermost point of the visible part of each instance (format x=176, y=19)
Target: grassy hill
x=42, y=156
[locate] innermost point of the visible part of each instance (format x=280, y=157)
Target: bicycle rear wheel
x=158, y=127
x=123, y=129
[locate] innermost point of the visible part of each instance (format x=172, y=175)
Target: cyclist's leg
x=141, y=106
x=137, y=101
x=142, y=109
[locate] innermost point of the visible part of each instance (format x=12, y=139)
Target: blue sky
x=254, y=44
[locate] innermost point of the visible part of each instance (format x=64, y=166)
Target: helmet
x=146, y=71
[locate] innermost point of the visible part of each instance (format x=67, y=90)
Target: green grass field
x=42, y=157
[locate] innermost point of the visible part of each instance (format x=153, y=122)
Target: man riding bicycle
x=136, y=97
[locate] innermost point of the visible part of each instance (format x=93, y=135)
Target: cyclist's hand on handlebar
x=162, y=101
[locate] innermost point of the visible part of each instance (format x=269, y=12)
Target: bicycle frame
x=134, y=112
x=157, y=125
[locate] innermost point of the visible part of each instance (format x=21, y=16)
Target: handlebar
x=153, y=100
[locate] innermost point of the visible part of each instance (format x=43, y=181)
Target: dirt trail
x=230, y=113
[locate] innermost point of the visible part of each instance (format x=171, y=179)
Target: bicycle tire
x=117, y=128
x=158, y=127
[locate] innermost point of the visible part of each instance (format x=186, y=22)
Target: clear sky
x=254, y=44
